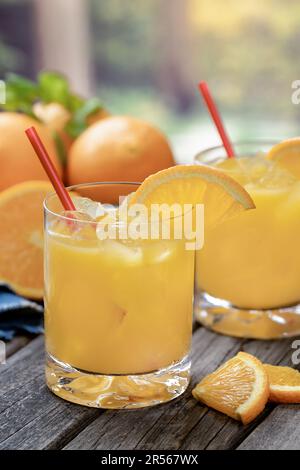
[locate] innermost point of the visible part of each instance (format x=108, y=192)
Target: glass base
x=117, y=391
x=222, y=317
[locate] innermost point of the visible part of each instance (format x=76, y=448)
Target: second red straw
x=212, y=108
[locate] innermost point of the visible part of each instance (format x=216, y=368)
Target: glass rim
x=205, y=151
x=72, y=188
x=118, y=223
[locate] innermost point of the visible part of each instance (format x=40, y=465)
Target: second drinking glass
x=248, y=273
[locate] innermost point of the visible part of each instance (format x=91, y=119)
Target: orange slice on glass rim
x=284, y=384
x=239, y=388
x=221, y=195
x=21, y=237
x=287, y=155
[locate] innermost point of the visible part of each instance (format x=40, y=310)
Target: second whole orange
x=118, y=148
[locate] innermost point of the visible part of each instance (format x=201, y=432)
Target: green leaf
x=75, y=102
x=20, y=94
x=53, y=88
x=78, y=123
x=22, y=86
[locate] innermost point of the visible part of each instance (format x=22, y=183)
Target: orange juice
x=118, y=308
x=249, y=267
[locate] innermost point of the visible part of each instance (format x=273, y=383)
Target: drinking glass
x=248, y=273
x=118, y=312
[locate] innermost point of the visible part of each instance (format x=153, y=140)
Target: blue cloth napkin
x=18, y=315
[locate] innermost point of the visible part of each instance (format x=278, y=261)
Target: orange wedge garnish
x=21, y=237
x=239, y=388
x=284, y=384
x=222, y=196
x=287, y=155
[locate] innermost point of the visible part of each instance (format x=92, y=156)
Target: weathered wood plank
x=18, y=371
x=279, y=431
x=15, y=344
x=161, y=427
x=30, y=416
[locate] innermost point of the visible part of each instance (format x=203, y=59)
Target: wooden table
x=33, y=418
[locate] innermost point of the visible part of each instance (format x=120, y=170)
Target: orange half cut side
x=21, y=237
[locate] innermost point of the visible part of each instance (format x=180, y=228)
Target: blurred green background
x=145, y=57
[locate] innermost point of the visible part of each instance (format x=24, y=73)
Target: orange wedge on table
x=239, y=388
x=287, y=155
x=284, y=384
x=21, y=237
x=194, y=184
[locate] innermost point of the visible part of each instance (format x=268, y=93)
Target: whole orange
x=118, y=148
x=18, y=161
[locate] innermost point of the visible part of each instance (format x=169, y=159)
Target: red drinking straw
x=212, y=108
x=49, y=168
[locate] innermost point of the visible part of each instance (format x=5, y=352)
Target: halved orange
x=239, y=388
x=287, y=155
x=21, y=237
x=221, y=195
x=284, y=384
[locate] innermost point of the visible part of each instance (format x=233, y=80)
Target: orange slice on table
x=239, y=388
x=21, y=237
x=287, y=155
x=221, y=195
x=284, y=384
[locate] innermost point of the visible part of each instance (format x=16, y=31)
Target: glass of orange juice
x=248, y=272
x=118, y=312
